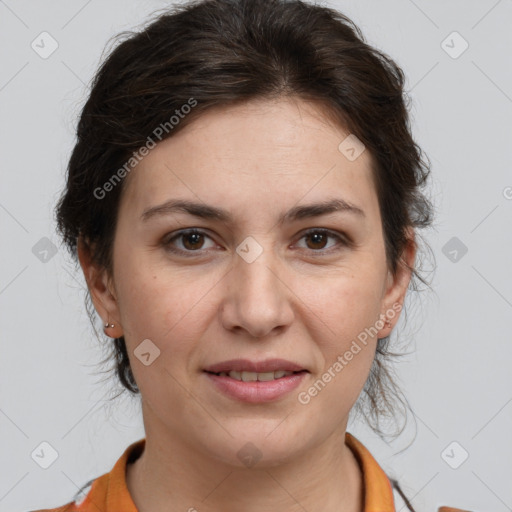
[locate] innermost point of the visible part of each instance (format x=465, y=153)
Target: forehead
x=260, y=154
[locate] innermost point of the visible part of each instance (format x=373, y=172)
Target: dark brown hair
x=225, y=52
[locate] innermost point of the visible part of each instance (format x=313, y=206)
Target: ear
x=396, y=286
x=101, y=289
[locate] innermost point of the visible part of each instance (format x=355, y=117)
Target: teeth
x=265, y=376
x=253, y=376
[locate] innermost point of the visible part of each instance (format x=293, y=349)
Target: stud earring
x=108, y=325
x=386, y=321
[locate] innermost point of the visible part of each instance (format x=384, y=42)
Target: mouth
x=251, y=381
x=249, y=367
x=248, y=376
x=255, y=387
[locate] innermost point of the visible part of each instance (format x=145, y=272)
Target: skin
x=256, y=160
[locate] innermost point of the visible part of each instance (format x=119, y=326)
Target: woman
x=243, y=199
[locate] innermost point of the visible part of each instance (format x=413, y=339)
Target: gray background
x=457, y=377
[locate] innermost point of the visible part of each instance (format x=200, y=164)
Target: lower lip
x=256, y=391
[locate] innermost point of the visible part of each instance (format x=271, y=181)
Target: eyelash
x=343, y=242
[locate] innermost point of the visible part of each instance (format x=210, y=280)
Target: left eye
x=318, y=238
x=194, y=241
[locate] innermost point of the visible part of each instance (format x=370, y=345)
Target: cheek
x=348, y=345
x=169, y=306
x=165, y=312
x=153, y=306
x=345, y=311
x=345, y=304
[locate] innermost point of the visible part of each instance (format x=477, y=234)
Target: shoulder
x=108, y=489
x=451, y=509
x=69, y=507
x=381, y=491
x=81, y=501
x=401, y=504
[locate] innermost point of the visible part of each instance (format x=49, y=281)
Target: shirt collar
x=378, y=493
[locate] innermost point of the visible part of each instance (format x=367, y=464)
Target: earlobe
x=101, y=290
x=397, y=286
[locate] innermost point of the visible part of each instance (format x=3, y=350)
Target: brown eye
x=191, y=242
x=318, y=239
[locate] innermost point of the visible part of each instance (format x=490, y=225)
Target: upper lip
x=269, y=365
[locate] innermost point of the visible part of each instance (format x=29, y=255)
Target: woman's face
x=265, y=282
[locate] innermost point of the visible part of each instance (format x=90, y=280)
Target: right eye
x=191, y=241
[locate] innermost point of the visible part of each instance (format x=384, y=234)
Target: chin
x=258, y=449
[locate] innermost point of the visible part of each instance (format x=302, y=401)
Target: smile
x=247, y=376
x=253, y=387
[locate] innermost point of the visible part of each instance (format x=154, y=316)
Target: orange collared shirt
x=109, y=493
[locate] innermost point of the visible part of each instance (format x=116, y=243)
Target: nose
x=257, y=298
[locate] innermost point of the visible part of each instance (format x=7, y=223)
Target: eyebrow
x=205, y=211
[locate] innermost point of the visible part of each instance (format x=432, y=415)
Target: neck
x=171, y=471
